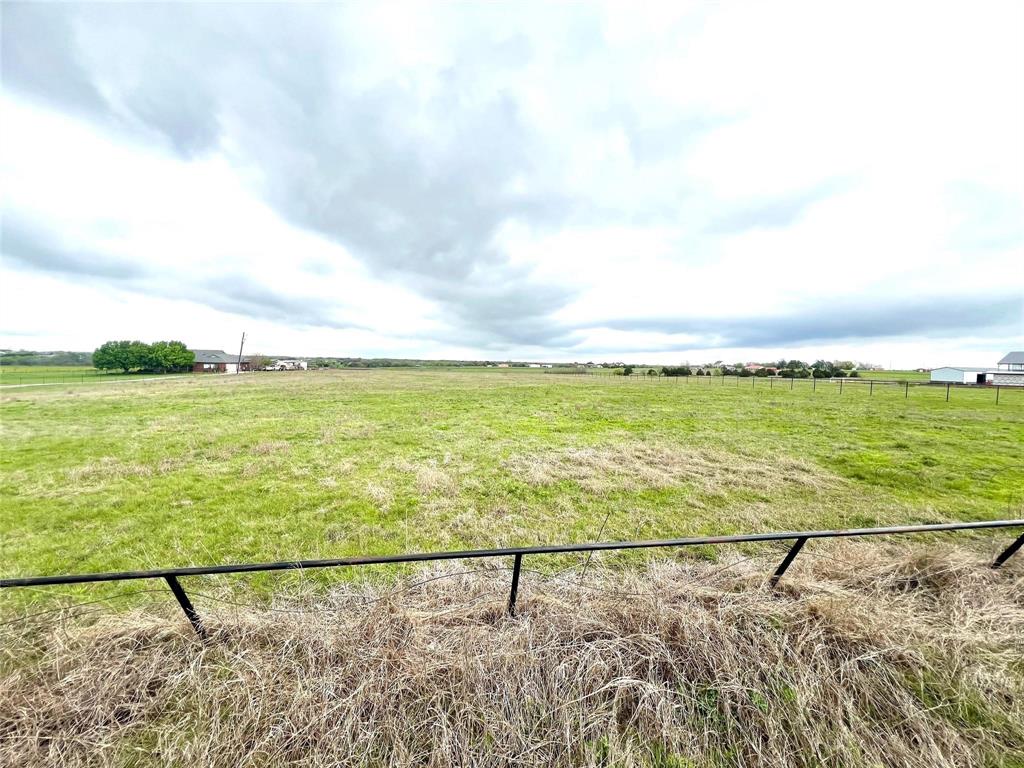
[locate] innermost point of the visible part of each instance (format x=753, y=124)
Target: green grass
x=303, y=465
x=34, y=374
x=896, y=375
x=12, y=375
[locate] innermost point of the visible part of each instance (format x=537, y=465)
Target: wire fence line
x=8, y=380
x=782, y=383
x=798, y=538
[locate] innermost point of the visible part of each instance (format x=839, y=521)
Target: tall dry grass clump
x=863, y=657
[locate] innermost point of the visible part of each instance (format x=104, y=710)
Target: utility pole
x=240, y=348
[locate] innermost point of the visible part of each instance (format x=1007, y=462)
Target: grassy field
x=303, y=465
x=896, y=375
x=33, y=374
x=681, y=661
x=13, y=375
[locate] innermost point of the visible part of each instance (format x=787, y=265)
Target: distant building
x=952, y=375
x=1014, y=361
x=216, y=361
x=1009, y=372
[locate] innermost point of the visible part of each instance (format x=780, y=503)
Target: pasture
x=682, y=660
x=34, y=374
x=322, y=464
x=16, y=375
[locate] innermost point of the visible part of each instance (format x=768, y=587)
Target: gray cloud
x=840, y=321
x=240, y=295
x=416, y=187
x=28, y=248
x=39, y=56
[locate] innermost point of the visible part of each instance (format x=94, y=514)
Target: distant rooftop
x=1012, y=358
x=213, y=356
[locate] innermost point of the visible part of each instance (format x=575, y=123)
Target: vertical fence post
x=517, y=564
x=906, y=390
x=871, y=388
x=791, y=382
x=1008, y=552
x=771, y=383
x=840, y=386
x=186, y=606
x=947, y=392
x=790, y=557
x=997, y=394
x=814, y=384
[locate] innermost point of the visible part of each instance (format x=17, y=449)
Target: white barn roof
x=1012, y=358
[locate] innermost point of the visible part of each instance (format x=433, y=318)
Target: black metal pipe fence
x=800, y=538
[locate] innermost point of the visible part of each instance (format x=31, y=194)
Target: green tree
x=105, y=356
x=169, y=356
x=180, y=357
x=627, y=370
x=127, y=356
x=120, y=355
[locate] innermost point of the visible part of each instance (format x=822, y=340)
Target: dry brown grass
x=632, y=465
x=864, y=657
x=271, y=446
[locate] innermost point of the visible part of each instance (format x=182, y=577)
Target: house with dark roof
x=216, y=361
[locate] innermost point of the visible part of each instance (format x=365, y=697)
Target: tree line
x=31, y=357
x=158, y=357
x=795, y=369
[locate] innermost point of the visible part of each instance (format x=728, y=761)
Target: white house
x=1009, y=371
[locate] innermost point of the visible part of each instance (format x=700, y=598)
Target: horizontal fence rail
x=799, y=539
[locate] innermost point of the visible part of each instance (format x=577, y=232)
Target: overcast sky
x=546, y=182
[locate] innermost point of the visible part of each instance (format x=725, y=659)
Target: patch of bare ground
x=865, y=657
x=634, y=465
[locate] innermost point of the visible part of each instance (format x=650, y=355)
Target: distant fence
x=29, y=379
x=799, y=539
x=639, y=377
